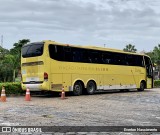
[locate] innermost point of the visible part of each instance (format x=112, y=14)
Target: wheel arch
x=145, y=84
x=79, y=80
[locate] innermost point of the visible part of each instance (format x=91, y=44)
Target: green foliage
x=18, y=79
x=12, y=88
x=3, y=52
x=151, y=55
x=16, y=51
x=130, y=48
x=156, y=54
x=156, y=83
x=10, y=61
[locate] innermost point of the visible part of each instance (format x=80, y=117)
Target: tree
x=156, y=54
x=12, y=64
x=16, y=52
x=151, y=55
x=155, y=57
x=3, y=52
x=7, y=68
x=10, y=61
x=17, y=46
x=3, y=66
x=130, y=48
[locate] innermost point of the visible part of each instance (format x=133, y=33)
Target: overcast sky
x=115, y=23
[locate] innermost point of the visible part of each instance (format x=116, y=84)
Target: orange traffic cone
x=63, y=94
x=3, y=95
x=28, y=97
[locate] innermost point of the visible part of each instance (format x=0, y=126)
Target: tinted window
x=95, y=57
x=130, y=60
x=119, y=59
x=147, y=61
x=107, y=58
x=134, y=60
x=56, y=52
x=149, y=67
x=74, y=54
x=32, y=50
x=68, y=56
x=77, y=54
x=71, y=54
x=139, y=61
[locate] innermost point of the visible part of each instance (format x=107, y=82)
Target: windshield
x=32, y=50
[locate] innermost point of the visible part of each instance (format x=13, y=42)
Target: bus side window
x=68, y=56
x=119, y=59
x=134, y=60
x=89, y=58
x=56, y=52
x=139, y=61
x=95, y=57
x=84, y=56
x=147, y=61
x=77, y=54
x=148, y=66
x=130, y=61
x=106, y=58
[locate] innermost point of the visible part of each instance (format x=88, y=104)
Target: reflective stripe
x=27, y=92
x=3, y=95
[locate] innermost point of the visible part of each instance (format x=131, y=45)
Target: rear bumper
x=32, y=87
x=35, y=87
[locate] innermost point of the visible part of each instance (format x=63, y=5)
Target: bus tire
x=91, y=87
x=77, y=89
x=142, y=86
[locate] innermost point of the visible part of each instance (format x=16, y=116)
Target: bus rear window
x=32, y=50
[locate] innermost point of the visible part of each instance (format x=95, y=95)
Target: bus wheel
x=91, y=87
x=77, y=89
x=142, y=86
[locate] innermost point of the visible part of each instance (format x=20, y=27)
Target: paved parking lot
x=103, y=109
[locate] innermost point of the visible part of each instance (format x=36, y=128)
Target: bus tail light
x=45, y=76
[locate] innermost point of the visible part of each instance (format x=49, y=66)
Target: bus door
x=149, y=72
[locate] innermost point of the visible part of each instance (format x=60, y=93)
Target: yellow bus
x=51, y=66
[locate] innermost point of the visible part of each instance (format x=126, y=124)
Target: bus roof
x=93, y=47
